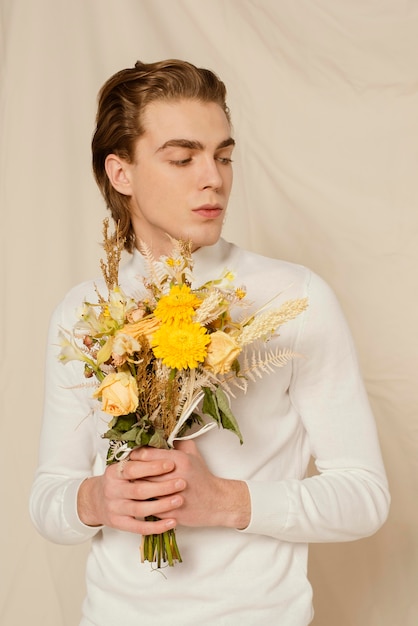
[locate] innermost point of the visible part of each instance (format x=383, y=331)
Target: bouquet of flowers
x=167, y=365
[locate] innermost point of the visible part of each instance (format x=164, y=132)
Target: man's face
x=181, y=176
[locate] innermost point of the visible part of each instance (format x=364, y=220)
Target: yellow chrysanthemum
x=178, y=306
x=180, y=346
x=240, y=292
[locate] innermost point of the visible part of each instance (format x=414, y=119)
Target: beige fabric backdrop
x=324, y=96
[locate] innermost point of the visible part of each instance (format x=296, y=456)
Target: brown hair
x=121, y=103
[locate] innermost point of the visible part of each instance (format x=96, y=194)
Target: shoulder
x=88, y=291
x=248, y=260
x=268, y=279
x=66, y=312
x=267, y=274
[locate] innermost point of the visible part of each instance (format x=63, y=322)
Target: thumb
x=187, y=446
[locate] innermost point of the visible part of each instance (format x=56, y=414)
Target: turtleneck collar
x=209, y=261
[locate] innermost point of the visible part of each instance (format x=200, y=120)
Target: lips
x=209, y=211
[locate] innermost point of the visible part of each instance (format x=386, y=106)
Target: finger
x=140, y=510
x=146, y=490
x=163, y=508
x=150, y=528
x=148, y=453
x=143, y=527
x=135, y=470
x=117, y=508
x=187, y=446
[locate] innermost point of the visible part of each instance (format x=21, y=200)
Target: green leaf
x=228, y=420
x=123, y=428
x=210, y=405
x=158, y=440
x=142, y=437
x=123, y=423
x=113, y=435
x=132, y=434
x=216, y=405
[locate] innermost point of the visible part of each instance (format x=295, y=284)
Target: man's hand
x=207, y=500
x=174, y=485
x=126, y=493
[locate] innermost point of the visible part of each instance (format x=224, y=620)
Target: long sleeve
x=69, y=440
x=349, y=498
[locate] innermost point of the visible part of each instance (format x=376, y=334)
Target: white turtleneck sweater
x=314, y=406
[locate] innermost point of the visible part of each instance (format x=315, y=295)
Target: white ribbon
x=187, y=411
x=122, y=452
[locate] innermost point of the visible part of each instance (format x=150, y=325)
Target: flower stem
x=160, y=548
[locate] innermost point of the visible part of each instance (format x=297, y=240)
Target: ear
x=117, y=172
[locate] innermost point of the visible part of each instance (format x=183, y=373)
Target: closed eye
x=180, y=162
x=224, y=160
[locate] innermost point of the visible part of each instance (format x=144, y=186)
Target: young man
x=244, y=514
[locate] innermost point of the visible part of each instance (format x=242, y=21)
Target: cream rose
x=119, y=394
x=134, y=315
x=123, y=346
x=221, y=352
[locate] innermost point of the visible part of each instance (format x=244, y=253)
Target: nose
x=210, y=175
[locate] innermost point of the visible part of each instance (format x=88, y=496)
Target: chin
x=200, y=240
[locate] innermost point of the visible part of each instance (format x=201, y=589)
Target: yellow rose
x=222, y=352
x=119, y=394
x=144, y=327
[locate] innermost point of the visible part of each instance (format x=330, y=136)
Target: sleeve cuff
x=70, y=511
x=269, y=508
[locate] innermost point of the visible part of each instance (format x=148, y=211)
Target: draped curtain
x=324, y=101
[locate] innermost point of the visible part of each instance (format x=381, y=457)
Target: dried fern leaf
x=255, y=363
x=157, y=274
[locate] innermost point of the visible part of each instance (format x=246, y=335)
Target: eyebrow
x=193, y=145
